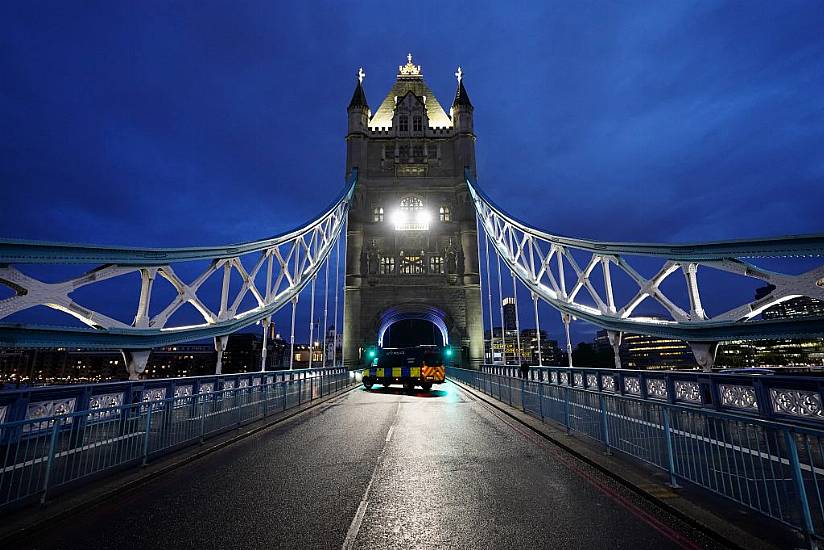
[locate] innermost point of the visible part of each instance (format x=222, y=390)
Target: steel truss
x=541, y=260
x=287, y=263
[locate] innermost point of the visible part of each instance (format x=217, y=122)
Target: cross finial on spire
x=459, y=74
x=409, y=69
x=361, y=75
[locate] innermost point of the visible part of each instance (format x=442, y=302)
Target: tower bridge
x=413, y=236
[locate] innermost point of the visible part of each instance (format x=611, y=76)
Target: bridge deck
x=379, y=469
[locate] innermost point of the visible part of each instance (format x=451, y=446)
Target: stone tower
x=412, y=243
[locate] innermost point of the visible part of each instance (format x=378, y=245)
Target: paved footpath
x=379, y=469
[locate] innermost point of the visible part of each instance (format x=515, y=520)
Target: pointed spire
x=461, y=97
x=359, y=97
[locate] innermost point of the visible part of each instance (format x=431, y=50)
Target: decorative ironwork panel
x=154, y=396
x=563, y=378
x=3, y=409
x=806, y=404
x=656, y=388
x=105, y=401
x=244, y=383
x=554, y=377
x=739, y=397
x=228, y=385
x=45, y=409
x=183, y=391
x=183, y=396
x=206, y=388
x=592, y=381
x=687, y=391
x=608, y=382
x=578, y=379
x=632, y=385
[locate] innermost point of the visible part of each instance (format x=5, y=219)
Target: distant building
x=639, y=351
x=786, y=352
x=504, y=349
x=510, y=318
x=794, y=308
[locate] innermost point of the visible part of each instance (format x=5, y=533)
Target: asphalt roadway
x=379, y=469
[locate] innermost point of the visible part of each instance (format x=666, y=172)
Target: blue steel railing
x=794, y=399
x=115, y=426
x=768, y=465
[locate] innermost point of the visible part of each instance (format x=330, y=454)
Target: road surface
x=379, y=469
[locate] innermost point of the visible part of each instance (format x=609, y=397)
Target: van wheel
x=367, y=383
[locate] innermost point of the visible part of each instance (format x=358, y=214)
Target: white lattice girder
x=290, y=261
x=540, y=260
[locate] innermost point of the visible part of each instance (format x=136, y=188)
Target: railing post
x=238, y=407
x=50, y=459
x=147, y=432
x=285, y=393
x=523, y=393
x=300, y=390
x=566, y=408
x=670, y=455
x=541, y=399
x=795, y=464
x=203, y=401
x=604, y=423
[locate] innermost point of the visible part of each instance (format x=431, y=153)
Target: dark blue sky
x=211, y=122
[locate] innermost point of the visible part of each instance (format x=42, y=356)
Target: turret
x=358, y=108
x=462, y=121
x=462, y=108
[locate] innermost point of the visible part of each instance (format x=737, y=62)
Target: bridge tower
x=412, y=242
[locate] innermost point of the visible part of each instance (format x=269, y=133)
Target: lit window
x=403, y=123
x=411, y=265
x=411, y=216
x=444, y=212
x=435, y=264
x=417, y=123
x=377, y=214
x=411, y=203
x=387, y=265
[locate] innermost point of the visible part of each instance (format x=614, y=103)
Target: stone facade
x=412, y=243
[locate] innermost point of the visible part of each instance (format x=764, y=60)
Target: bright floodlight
x=422, y=217
x=398, y=218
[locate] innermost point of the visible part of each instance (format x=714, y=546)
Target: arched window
x=403, y=123
x=377, y=214
x=445, y=215
x=417, y=123
x=411, y=215
x=411, y=203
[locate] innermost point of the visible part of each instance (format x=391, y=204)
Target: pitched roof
x=461, y=97
x=437, y=116
x=358, y=98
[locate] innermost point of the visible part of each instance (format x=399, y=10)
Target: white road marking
x=354, y=527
